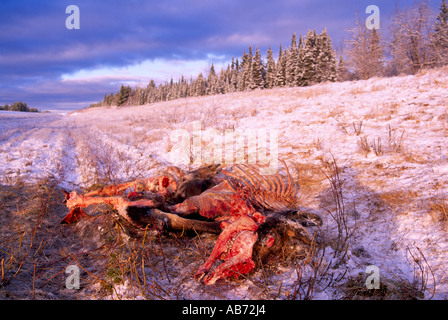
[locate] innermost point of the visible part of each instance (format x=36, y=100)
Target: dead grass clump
x=439, y=208
x=395, y=140
x=377, y=87
x=364, y=146
x=309, y=176
x=342, y=124
x=314, y=91
x=357, y=127
x=357, y=90
x=355, y=288
x=399, y=200
x=336, y=111
x=394, y=143
x=383, y=112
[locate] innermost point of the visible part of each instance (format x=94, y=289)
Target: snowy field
x=389, y=137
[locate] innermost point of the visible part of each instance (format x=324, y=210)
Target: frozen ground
x=395, y=187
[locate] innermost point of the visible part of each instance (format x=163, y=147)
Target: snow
x=391, y=192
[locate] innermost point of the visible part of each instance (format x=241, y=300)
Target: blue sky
x=52, y=68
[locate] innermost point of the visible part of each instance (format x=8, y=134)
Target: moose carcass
x=247, y=210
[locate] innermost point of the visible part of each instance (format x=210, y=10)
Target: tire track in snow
x=37, y=152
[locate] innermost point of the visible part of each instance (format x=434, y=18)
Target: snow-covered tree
x=365, y=52
x=411, y=44
x=343, y=73
x=310, y=53
x=280, y=78
x=245, y=75
x=439, y=37
x=200, y=85
x=292, y=62
x=270, y=69
x=325, y=69
x=257, y=71
x=234, y=69
x=299, y=70
x=124, y=95
x=212, y=82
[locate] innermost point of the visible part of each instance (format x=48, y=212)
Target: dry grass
x=383, y=112
x=29, y=242
x=357, y=91
x=357, y=127
x=438, y=208
x=390, y=289
x=395, y=143
x=364, y=145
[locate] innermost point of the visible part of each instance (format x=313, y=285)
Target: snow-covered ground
x=393, y=196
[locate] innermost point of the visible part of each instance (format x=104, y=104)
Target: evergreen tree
x=224, y=80
x=280, y=79
x=199, y=85
x=257, y=71
x=309, y=58
x=270, y=70
x=292, y=62
x=234, y=69
x=248, y=70
x=18, y=106
x=342, y=72
x=439, y=38
x=125, y=92
x=212, y=82
x=299, y=72
x=140, y=94
x=245, y=75
x=326, y=59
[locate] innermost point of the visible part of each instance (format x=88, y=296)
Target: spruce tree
x=280, y=78
x=257, y=71
x=248, y=70
x=212, y=82
x=270, y=69
x=292, y=62
x=224, y=80
x=299, y=70
x=199, y=85
x=326, y=59
x=342, y=71
x=309, y=58
x=439, y=38
x=245, y=74
x=124, y=94
x=234, y=75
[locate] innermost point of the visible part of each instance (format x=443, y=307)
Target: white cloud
x=160, y=70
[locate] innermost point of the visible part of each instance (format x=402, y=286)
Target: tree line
x=308, y=60
x=18, y=106
x=416, y=43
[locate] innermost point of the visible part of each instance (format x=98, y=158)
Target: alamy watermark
x=72, y=282
x=228, y=146
x=373, y=279
x=73, y=20
x=373, y=21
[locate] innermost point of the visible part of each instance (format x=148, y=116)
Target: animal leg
x=237, y=260
x=112, y=190
x=233, y=241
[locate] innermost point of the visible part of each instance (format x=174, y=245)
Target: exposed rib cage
x=267, y=191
